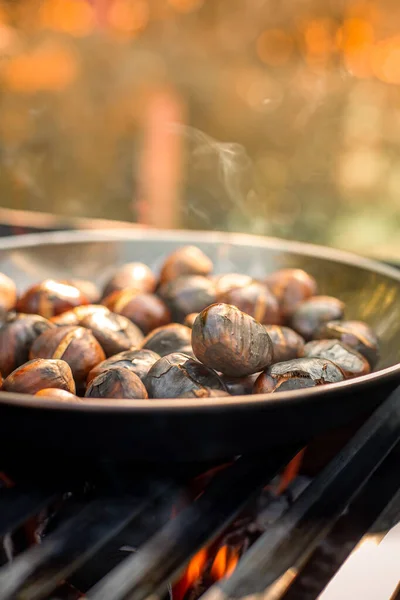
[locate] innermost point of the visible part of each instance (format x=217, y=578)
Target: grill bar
x=156, y=563
x=289, y=542
x=40, y=569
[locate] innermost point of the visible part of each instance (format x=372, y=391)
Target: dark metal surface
x=203, y=429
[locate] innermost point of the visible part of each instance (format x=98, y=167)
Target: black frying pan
x=205, y=429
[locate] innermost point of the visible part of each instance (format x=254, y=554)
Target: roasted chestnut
x=8, y=293
x=187, y=260
x=117, y=383
x=50, y=298
x=147, y=311
x=204, y=393
x=39, y=374
x=137, y=361
x=230, y=341
x=287, y=344
x=188, y=294
x=351, y=362
x=113, y=332
x=314, y=312
x=76, y=345
x=254, y=299
x=190, y=319
x=58, y=394
x=229, y=281
x=76, y=315
x=291, y=287
x=87, y=288
x=132, y=275
x=170, y=338
x=240, y=386
x=16, y=338
x=297, y=374
x=177, y=374
x=356, y=334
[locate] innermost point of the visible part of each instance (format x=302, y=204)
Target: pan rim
x=101, y=405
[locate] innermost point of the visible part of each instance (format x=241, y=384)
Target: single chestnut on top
x=230, y=341
x=286, y=342
x=76, y=345
x=8, y=293
x=187, y=294
x=16, y=338
x=131, y=275
x=117, y=383
x=314, y=312
x=256, y=300
x=291, y=287
x=113, y=332
x=137, y=361
x=170, y=338
x=147, y=311
x=188, y=260
x=39, y=374
x=50, y=298
x=356, y=334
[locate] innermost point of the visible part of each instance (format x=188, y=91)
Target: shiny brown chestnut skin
x=76, y=345
x=8, y=293
x=297, y=374
x=190, y=319
x=188, y=260
x=314, y=312
x=137, y=361
x=229, y=281
x=177, y=374
x=39, y=374
x=50, y=298
x=147, y=311
x=16, y=338
x=89, y=289
x=167, y=339
x=60, y=395
x=113, y=332
x=76, y=315
x=356, y=334
x=226, y=339
x=131, y=275
x=351, y=362
x=240, y=386
x=256, y=300
x=187, y=294
x=291, y=287
x=287, y=344
x=117, y=383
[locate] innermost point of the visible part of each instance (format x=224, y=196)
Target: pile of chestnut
x=185, y=334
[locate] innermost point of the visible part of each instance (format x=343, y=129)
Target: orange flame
x=192, y=573
x=291, y=471
x=224, y=563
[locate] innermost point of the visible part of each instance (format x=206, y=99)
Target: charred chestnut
x=297, y=374
x=76, y=345
x=8, y=293
x=240, y=386
x=117, y=383
x=87, y=288
x=287, y=344
x=76, y=315
x=188, y=260
x=351, y=362
x=56, y=393
x=113, y=332
x=188, y=294
x=137, y=361
x=190, y=319
x=170, y=338
x=50, y=298
x=254, y=299
x=356, y=334
x=230, y=341
x=132, y=275
x=229, y=281
x=314, y=312
x=16, y=338
x=39, y=374
x=147, y=311
x=177, y=374
x=291, y=287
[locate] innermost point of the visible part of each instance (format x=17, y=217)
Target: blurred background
x=275, y=117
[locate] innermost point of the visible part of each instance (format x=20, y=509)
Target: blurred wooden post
x=161, y=165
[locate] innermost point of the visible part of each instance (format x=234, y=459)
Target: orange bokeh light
x=185, y=6
x=75, y=17
x=356, y=38
x=385, y=60
x=319, y=40
x=128, y=16
x=274, y=47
